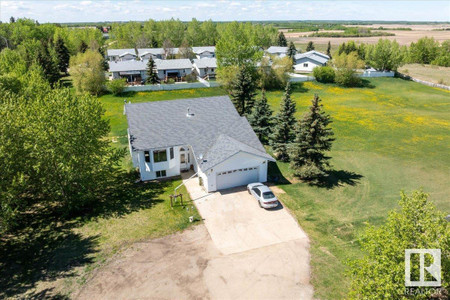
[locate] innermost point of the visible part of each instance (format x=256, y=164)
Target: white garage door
x=236, y=177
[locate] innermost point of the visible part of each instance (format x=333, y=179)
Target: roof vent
x=189, y=114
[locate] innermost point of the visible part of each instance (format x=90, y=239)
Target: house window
x=171, y=153
x=305, y=65
x=147, y=156
x=159, y=155
x=160, y=173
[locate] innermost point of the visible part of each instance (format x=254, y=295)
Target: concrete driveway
x=241, y=252
x=236, y=223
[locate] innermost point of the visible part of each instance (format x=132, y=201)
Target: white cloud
x=221, y=10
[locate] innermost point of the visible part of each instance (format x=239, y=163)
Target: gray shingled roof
x=127, y=65
x=173, y=64
x=276, y=49
x=215, y=123
x=314, y=55
x=199, y=50
x=205, y=63
x=117, y=52
x=156, y=51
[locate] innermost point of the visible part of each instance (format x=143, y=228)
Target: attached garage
x=237, y=177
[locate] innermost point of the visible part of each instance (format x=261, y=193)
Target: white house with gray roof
x=306, y=62
x=205, y=135
x=131, y=70
x=205, y=67
x=156, y=53
x=121, y=54
x=136, y=70
x=173, y=68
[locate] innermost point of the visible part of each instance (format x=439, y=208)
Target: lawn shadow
x=335, y=178
x=367, y=84
x=274, y=174
x=299, y=87
x=125, y=193
x=45, y=246
x=45, y=250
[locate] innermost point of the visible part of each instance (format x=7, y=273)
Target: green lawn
x=390, y=136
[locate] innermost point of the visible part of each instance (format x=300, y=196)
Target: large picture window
x=159, y=155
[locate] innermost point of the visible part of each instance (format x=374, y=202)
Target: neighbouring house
x=156, y=53
x=205, y=67
x=205, y=135
x=306, y=62
x=175, y=69
x=134, y=71
x=121, y=54
x=204, y=52
x=278, y=51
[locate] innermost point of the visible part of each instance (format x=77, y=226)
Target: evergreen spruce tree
x=152, y=77
x=329, y=49
x=283, y=132
x=261, y=119
x=49, y=66
x=310, y=46
x=291, y=50
x=243, y=92
x=83, y=47
x=282, y=42
x=62, y=54
x=313, y=137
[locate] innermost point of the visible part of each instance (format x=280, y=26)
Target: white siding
x=240, y=160
x=300, y=65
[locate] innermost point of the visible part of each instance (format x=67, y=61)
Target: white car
x=263, y=194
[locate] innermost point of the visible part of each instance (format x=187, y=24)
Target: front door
x=184, y=159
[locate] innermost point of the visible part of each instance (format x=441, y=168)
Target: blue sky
x=225, y=10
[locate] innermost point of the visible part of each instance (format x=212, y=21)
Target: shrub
x=346, y=65
x=191, y=78
x=324, y=74
x=116, y=86
x=170, y=81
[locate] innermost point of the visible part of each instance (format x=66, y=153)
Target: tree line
x=153, y=34
x=53, y=148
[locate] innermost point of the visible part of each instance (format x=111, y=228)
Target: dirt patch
x=187, y=265
x=403, y=37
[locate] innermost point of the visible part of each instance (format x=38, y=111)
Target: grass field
x=390, y=136
x=429, y=73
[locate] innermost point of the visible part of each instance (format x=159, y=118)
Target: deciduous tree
x=380, y=273
x=87, y=72
x=310, y=46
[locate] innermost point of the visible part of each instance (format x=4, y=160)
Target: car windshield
x=268, y=195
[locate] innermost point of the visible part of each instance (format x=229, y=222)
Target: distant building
x=278, y=51
x=306, y=62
